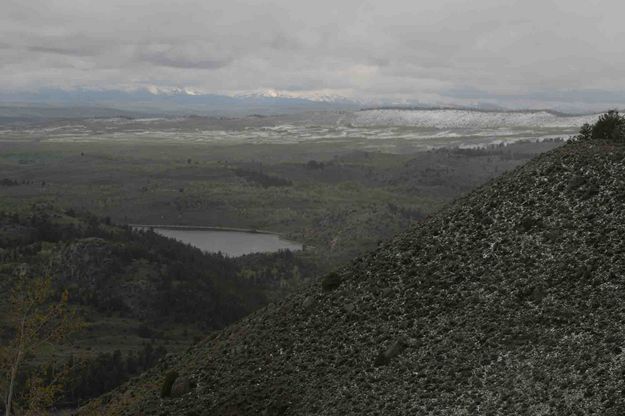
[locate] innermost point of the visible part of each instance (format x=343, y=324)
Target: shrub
x=585, y=132
x=168, y=383
x=609, y=126
x=330, y=282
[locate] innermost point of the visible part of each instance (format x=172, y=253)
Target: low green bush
x=170, y=378
x=330, y=282
x=609, y=126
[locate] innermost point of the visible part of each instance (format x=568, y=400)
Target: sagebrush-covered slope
x=511, y=301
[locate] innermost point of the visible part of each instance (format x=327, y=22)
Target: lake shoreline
x=230, y=241
x=204, y=228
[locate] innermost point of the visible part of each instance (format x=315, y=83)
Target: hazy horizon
x=562, y=55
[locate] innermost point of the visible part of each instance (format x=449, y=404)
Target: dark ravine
x=508, y=302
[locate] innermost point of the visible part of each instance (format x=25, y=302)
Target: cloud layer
x=517, y=53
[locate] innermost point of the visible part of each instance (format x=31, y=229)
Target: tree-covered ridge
x=139, y=294
x=507, y=302
x=118, y=269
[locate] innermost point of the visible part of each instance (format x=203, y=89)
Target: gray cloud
x=184, y=56
x=517, y=53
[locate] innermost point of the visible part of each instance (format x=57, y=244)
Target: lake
x=230, y=243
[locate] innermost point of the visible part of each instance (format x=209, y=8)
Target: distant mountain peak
x=316, y=96
x=155, y=90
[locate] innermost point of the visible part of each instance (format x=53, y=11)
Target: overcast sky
x=518, y=53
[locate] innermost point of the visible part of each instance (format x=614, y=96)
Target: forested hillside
x=140, y=295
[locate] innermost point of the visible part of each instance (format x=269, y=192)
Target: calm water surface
x=231, y=243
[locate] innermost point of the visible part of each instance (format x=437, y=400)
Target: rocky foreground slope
x=509, y=302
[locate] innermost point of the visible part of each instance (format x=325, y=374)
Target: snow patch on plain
x=467, y=119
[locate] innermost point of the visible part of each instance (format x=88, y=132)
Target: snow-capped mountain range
x=160, y=101
x=178, y=101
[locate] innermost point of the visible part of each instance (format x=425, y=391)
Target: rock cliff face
x=509, y=302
